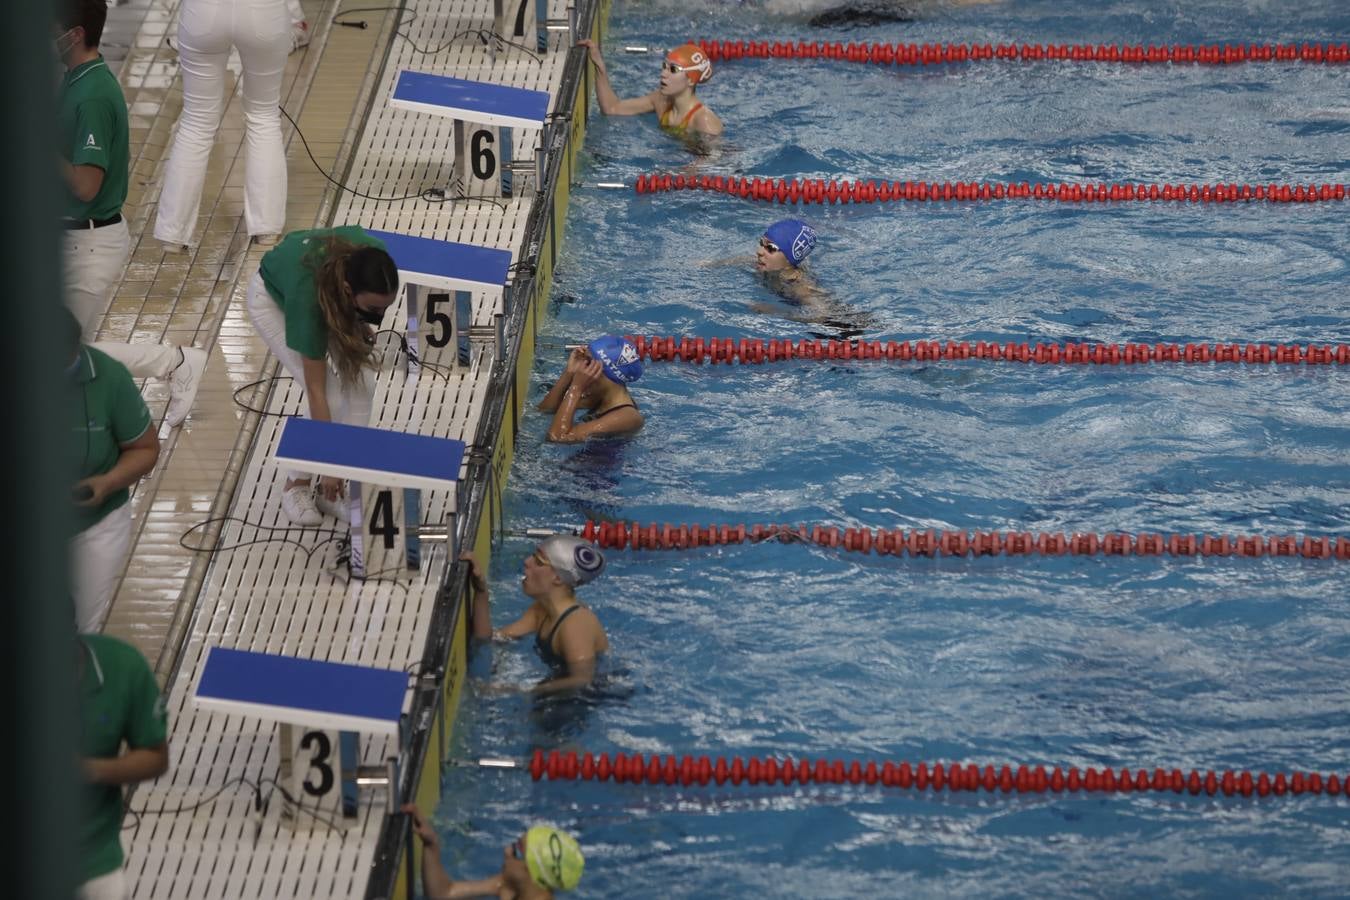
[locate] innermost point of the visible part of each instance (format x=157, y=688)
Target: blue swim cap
x=618, y=357
x=794, y=237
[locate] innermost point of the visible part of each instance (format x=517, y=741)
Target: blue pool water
x=793, y=650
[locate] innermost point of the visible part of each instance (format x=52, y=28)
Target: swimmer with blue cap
x=596, y=379
x=678, y=109
x=567, y=635
x=782, y=250
x=541, y=861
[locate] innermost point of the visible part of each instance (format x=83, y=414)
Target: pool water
x=801, y=651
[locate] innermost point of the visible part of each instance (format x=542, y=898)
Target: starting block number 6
x=479, y=155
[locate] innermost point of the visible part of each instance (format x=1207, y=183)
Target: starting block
x=378, y=462
x=322, y=709
x=431, y=269
x=483, y=115
x=526, y=23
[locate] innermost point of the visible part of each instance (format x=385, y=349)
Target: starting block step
x=470, y=101
x=305, y=692
x=446, y=265
x=392, y=459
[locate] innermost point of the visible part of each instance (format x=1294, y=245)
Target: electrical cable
x=260, y=803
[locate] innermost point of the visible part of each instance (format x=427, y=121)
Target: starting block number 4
x=387, y=545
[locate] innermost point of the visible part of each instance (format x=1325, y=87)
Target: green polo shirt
x=92, y=113
x=108, y=413
x=289, y=269
x=120, y=702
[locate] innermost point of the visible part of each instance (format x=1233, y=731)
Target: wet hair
x=345, y=270
x=91, y=15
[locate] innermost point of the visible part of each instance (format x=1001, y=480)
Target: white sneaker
x=184, y=383
x=297, y=501
x=266, y=240
x=337, y=507
x=299, y=35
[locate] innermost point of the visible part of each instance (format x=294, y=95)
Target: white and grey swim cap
x=575, y=561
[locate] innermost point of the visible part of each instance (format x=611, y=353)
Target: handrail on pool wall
x=819, y=190
x=756, y=351
x=955, y=777
x=933, y=542
x=939, y=53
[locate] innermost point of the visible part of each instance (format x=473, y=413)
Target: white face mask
x=65, y=43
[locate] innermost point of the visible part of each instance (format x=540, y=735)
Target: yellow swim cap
x=553, y=858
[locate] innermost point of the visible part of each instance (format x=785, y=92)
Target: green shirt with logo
x=92, y=113
x=289, y=270
x=108, y=414
x=120, y=703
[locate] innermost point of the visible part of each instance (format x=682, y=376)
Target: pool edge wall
x=429, y=727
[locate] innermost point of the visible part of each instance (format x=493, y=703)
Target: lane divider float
x=943, y=542
x=921, y=776
x=818, y=190
x=757, y=351
x=931, y=54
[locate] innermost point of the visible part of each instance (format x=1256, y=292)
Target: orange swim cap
x=693, y=62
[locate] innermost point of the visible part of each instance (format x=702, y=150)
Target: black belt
x=86, y=224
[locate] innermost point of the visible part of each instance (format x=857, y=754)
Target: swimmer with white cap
x=568, y=636
x=678, y=109
x=541, y=861
x=596, y=379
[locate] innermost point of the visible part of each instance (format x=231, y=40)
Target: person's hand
x=92, y=767
x=330, y=486
x=476, y=571
x=593, y=51
x=97, y=487
x=576, y=361
x=427, y=834
x=587, y=375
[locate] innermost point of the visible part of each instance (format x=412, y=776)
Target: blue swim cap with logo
x=794, y=237
x=618, y=357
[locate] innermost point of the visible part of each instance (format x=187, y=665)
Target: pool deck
x=278, y=597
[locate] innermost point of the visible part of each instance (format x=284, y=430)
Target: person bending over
x=567, y=635
x=539, y=862
x=317, y=300
x=595, y=379
x=678, y=109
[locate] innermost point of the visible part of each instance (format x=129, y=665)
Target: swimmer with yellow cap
x=541, y=861
x=677, y=108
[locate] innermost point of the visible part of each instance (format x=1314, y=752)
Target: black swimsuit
x=592, y=416
x=544, y=645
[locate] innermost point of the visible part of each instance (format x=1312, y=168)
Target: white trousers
x=207, y=29
x=112, y=886
x=94, y=260
x=98, y=554
x=348, y=405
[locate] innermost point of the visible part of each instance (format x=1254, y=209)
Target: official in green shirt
x=317, y=301
x=114, y=443
x=120, y=704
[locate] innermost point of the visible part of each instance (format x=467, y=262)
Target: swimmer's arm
x=624, y=421
x=729, y=261
x=553, y=399
x=580, y=672
x=609, y=102
x=526, y=624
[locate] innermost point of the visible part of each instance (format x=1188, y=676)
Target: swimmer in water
x=878, y=12
x=596, y=379
x=678, y=109
x=778, y=262
x=567, y=635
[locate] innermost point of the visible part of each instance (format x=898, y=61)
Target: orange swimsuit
x=684, y=123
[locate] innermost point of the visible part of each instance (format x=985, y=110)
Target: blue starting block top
x=307, y=692
x=445, y=264
x=470, y=101
x=373, y=455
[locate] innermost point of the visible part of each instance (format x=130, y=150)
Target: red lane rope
x=938, y=54
x=756, y=351
x=817, y=190
x=931, y=542
x=919, y=776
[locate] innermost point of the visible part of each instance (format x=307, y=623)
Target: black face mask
x=370, y=316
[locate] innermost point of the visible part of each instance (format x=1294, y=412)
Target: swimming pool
x=800, y=651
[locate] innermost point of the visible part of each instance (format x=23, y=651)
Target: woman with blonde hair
x=317, y=300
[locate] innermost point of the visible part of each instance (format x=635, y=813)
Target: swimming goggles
x=768, y=245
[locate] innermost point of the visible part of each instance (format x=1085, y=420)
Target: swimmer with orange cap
x=678, y=109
